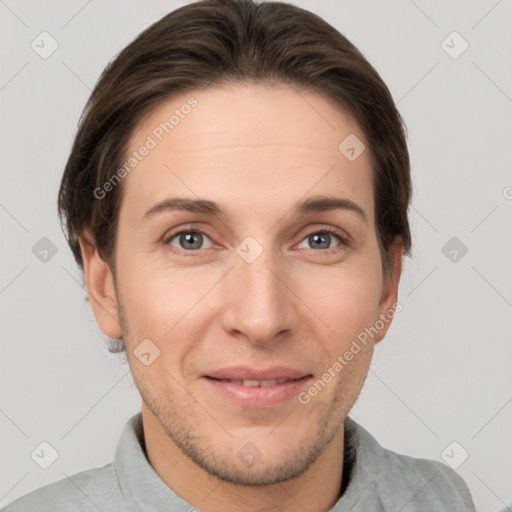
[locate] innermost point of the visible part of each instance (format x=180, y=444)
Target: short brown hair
x=211, y=42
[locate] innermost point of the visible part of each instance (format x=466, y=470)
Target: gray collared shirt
x=379, y=481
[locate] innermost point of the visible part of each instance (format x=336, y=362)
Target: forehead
x=239, y=142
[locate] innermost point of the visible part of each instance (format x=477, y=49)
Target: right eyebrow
x=185, y=204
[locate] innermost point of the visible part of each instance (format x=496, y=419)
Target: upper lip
x=248, y=373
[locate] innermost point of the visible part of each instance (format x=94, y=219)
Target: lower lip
x=257, y=396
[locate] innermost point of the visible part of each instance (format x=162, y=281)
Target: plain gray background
x=441, y=375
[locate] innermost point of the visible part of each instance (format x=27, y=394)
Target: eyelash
x=344, y=240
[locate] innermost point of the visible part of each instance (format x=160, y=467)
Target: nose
x=259, y=304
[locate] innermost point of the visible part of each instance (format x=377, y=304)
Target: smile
x=256, y=394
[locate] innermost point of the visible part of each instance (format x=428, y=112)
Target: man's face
x=281, y=304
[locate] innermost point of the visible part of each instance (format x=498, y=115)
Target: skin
x=256, y=150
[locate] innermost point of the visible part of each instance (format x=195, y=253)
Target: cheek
x=159, y=301
x=346, y=299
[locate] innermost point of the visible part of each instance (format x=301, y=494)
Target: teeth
x=251, y=383
x=264, y=383
x=256, y=383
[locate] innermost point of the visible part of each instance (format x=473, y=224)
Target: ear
x=388, y=305
x=99, y=282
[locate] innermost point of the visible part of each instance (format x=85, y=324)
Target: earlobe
x=389, y=298
x=99, y=282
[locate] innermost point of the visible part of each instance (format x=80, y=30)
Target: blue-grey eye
x=190, y=240
x=320, y=240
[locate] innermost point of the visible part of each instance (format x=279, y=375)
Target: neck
x=318, y=488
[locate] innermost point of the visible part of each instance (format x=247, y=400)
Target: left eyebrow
x=317, y=204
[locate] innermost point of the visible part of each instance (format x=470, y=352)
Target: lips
x=245, y=373
x=256, y=388
x=254, y=383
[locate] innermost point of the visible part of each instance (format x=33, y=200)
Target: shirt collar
x=361, y=493
x=144, y=490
